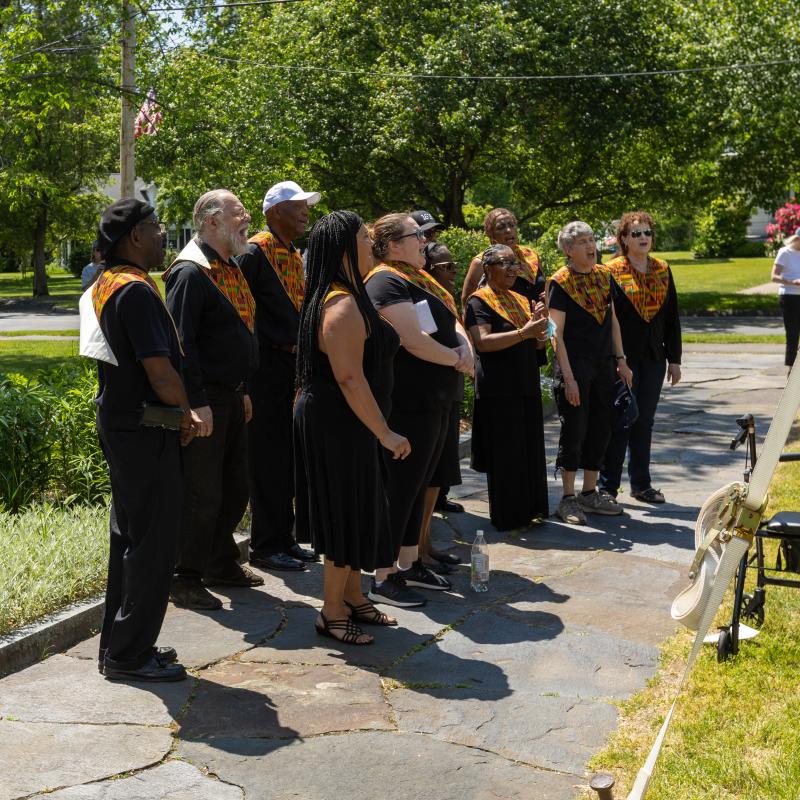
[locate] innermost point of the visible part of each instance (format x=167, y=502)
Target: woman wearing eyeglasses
x=647, y=308
x=434, y=349
x=501, y=228
x=507, y=427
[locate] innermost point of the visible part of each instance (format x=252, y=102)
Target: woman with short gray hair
x=588, y=349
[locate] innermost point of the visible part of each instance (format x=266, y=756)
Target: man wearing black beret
x=143, y=416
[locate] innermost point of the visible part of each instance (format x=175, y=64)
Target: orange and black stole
x=589, y=290
x=512, y=307
x=288, y=266
x=233, y=285
x=646, y=292
x=336, y=290
x=530, y=266
x=113, y=279
x=419, y=278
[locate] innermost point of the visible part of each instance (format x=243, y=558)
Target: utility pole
x=127, y=168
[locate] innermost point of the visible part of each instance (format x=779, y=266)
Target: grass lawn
x=732, y=338
x=29, y=356
x=736, y=730
x=7, y=334
x=50, y=557
x=64, y=288
x=710, y=284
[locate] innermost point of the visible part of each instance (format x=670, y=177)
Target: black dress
x=507, y=425
x=342, y=506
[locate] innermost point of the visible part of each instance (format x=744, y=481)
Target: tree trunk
x=454, y=201
x=38, y=258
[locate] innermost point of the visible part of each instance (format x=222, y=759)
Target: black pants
x=271, y=460
x=409, y=479
x=790, y=307
x=146, y=500
x=215, y=491
x=585, y=428
x=648, y=378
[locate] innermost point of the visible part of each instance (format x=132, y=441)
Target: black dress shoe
x=302, y=553
x=279, y=561
x=151, y=672
x=239, y=576
x=449, y=507
x=164, y=656
x=444, y=558
x=194, y=596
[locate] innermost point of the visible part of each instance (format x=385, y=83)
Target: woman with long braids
x=344, y=372
x=434, y=350
x=501, y=228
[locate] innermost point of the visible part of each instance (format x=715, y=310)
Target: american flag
x=149, y=116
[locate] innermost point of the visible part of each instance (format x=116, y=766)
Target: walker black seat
x=785, y=525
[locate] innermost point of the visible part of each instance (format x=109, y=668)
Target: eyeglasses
x=450, y=266
x=419, y=233
x=504, y=264
x=637, y=233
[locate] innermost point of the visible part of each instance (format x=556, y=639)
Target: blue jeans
x=648, y=377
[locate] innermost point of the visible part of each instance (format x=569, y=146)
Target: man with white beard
x=214, y=313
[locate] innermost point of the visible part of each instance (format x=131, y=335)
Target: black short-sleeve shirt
x=417, y=383
x=533, y=291
x=582, y=335
x=503, y=373
x=137, y=326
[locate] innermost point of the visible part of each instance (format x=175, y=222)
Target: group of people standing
x=327, y=391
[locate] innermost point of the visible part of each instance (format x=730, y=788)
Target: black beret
x=118, y=219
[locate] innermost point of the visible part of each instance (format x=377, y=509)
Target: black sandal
x=367, y=614
x=451, y=559
x=650, y=495
x=351, y=630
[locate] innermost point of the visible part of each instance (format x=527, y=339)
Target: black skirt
x=341, y=500
x=508, y=445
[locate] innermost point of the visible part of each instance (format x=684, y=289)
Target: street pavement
x=499, y=695
x=53, y=320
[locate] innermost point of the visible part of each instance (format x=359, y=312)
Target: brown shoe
x=194, y=596
x=240, y=576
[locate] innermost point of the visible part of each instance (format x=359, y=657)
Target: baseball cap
x=793, y=237
x=287, y=190
x=425, y=220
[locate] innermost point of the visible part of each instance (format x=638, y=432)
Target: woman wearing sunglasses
x=434, y=349
x=507, y=428
x=647, y=308
x=501, y=228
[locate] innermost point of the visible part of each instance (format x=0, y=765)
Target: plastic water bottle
x=479, y=580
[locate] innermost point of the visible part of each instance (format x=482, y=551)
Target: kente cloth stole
x=512, y=307
x=336, y=290
x=288, y=266
x=112, y=280
x=530, y=267
x=647, y=292
x=589, y=290
x=419, y=278
x=233, y=285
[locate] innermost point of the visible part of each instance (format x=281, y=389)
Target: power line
x=228, y=5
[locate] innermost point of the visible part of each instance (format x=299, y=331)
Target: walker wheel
x=724, y=645
x=752, y=610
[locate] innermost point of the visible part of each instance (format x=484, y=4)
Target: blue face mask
x=551, y=328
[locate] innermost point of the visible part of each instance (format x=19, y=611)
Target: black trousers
x=790, y=308
x=409, y=479
x=585, y=428
x=648, y=378
x=146, y=501
x=271, y=456
x=215, y=490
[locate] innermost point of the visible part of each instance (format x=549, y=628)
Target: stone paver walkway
x=502, y=695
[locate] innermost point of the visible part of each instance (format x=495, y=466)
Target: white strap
x=93, y=343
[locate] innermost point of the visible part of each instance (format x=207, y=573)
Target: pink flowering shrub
x=787, y=221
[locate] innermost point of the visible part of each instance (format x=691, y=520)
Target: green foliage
x=464, y=245
x=79, y=257
x=720, y=229
x=50, y=556
x=48, y=444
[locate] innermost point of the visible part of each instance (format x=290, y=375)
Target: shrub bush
x=720, y=229
x=48, y=443
x=464, y=244
x=787, y=221
x=80, y=255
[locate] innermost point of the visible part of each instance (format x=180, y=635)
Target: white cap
x=287, y=190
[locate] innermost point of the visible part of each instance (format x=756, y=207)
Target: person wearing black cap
x=215, y=314
x=126, y=327
x=274, y=271
x=428, y=224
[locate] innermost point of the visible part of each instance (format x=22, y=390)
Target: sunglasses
x=504, y=264
x=450, y=266
x=637, y=233
x=419, y=233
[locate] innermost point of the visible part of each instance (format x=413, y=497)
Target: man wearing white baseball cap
x=274, y=270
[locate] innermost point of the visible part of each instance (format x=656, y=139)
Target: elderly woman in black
x=344, y=370
x=507, y=430
x=647, y=308
x=589, y=356
x=501, y=228
x=434, y=350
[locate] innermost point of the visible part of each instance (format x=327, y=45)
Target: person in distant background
x=786, y=272
x=428, y=224
x=92, y=270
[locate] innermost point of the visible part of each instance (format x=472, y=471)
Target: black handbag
x=626, y=409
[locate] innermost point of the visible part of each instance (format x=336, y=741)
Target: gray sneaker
x=569, y=511
x=599, y=502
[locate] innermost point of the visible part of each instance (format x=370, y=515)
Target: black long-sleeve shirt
x=219, y=348
x=656, y=340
